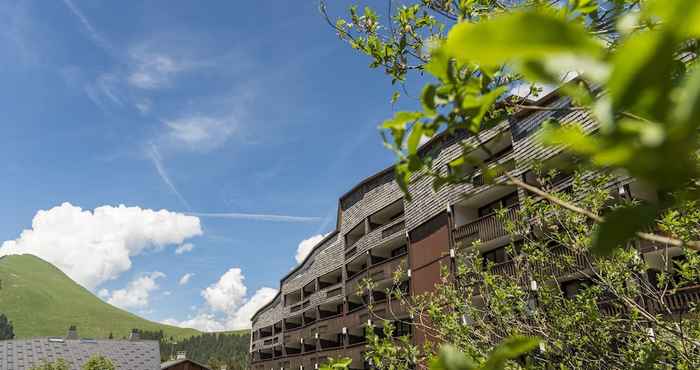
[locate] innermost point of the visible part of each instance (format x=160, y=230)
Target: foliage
x=6, y=329
x=97, y=362
x=42, y=301
x=450, y=358
x=627, y=64
x=214, y=349
x=620, y=314
x=59, y=364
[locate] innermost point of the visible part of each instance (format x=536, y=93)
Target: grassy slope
x=41, y=300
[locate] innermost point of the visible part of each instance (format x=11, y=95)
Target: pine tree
x=6, y=329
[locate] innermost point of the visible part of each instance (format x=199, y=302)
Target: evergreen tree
x=6, y=329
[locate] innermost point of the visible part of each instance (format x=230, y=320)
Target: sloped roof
x=22, y=354
x=171, y=363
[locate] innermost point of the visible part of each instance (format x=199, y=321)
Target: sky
x=177, y=158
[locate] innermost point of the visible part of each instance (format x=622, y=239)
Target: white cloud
x=95, y=246
x=185, y=278
x=137, y=292
x=200, y=132
x=187, y=247
x=241, y=317
x=167, y=293
x=153, y=70
x=103, y=293
x=228, y=308
x=206, y=322
x=144, y=106
x=228, y=293
x=306, y=246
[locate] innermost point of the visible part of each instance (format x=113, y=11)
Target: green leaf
x=397, y=125
x=481, y=105
x=414, y=138
x=519, y=36
x=439, y=64
x=572, y=136
x=511, y=348
x=450, y=358
x=400, y=120
x=686, y=115
x=641, y=75
x=427, y=99
x=620, y=226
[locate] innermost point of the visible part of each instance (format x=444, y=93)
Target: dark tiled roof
x=169, y=364
x=22, y=354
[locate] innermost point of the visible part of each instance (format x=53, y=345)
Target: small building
x=131, y=354
x=182, y=364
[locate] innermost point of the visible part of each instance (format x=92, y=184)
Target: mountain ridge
x=41, y=300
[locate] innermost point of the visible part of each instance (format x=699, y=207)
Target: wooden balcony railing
x=393, y=229
x=681, y=299
x=506, y=268
x=485, y=228
x=564, y=261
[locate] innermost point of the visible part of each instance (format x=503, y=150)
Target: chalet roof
x=22, y=354
x=171, y=363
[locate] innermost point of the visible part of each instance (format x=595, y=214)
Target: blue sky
x=252, y=108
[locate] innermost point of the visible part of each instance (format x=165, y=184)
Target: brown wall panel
x=424, y=279
x=429, y=242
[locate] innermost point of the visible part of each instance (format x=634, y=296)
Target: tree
x=620, y=314
x=629, y=65
x=479, y=51
x=6, y=329
x=97, y=362
x=59, y=364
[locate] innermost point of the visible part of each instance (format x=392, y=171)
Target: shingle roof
x=22, y=354
x=168, y=364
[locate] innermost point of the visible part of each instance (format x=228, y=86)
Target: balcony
x=385, y=269
x=382, y=225
x=681, y=300
x=506, y=268
x=575, y=261
x=486, y=228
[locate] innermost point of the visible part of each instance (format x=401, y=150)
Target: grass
x=41, y=300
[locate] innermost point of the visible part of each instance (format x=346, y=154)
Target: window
x=505, y=202
x=498, y=255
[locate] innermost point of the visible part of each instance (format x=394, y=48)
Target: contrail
x=92, y=32
x=158, y=163
x=256, y=217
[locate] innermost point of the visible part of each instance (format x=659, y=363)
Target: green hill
x=41, y=300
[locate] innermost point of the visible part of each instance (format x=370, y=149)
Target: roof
x=22, y=354
x=171, y=363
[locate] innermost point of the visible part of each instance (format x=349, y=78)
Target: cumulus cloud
x=185, y=278
x=136, y=293
x=240, y=319
x=228, y=293
x=227, y=306
x=187, y=247
x=95, y=246
x=200, y=132
x=306, y=246
x=206, y=322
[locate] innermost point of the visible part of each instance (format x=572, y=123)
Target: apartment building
x=318, y=314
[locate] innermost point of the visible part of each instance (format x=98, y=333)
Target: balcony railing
x=506, y=268
x=681, y=299
x=486, y=228
x=393, y=229
x=575, y=261
x=375, y=235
